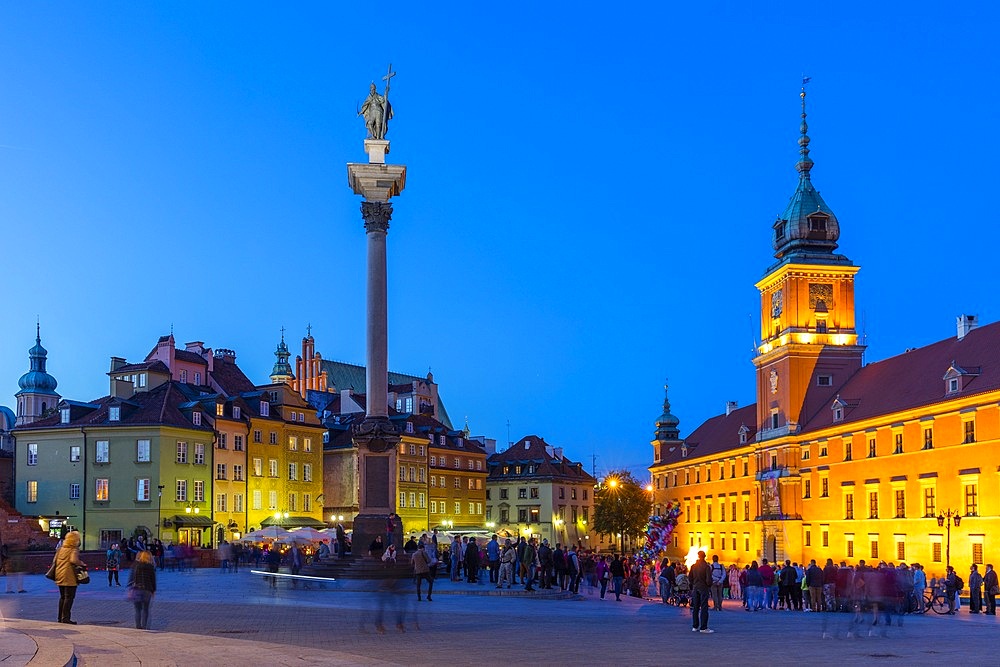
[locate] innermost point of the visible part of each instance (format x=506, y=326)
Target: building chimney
x=558, y=452
x=967, y=323
x=730, y=406
x=116, y=363
x=195, y=346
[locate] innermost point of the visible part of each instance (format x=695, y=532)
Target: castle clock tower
x=809, y=336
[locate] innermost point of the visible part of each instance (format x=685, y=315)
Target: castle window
x=774, y=419
x=114, y=413
x=838, y=414
x=899, y=444
x=817, y=223
x=953, y=385
x=779, y=230
x=928, y=438
x=824, y=380
x=821, y=326
x=969, y=428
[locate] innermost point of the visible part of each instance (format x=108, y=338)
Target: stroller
x=680, y=596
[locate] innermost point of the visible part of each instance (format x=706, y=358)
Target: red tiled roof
x=159, y=406
x=716, y=435
x=190, y=357
x=546, y=464
x=915, y=378
x=230, y=377
x=156, y=366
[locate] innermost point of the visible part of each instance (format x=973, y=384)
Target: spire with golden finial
x=805, y=163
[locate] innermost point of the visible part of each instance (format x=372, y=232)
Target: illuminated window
x=32, y=493
x=971, y=499
x=928, y=438
x=849, y=505
x=970, y=431
x=900, y=504
x=871, y=448
x=849, y=545
x=101, y=493
x=873, y=505
x=930, y=502
x=899, y=444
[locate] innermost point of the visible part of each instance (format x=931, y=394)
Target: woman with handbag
x=66, y=564
x=142, y=587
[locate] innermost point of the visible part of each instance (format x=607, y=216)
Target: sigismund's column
x=375, y=437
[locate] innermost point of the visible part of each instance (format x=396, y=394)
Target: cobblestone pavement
x=246, y=620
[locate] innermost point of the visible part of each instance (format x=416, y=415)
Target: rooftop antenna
x=509, y=443
x=594, y=464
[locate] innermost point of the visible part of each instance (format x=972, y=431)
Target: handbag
x=82, y=575
x=51, y=572
x=131, y=594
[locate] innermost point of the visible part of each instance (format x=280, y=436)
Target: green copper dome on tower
x=37, y=380
x=667, y=423
x=282, y=370
x=807, y=230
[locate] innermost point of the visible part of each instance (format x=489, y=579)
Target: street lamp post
x=613, y=483
x=159, y=501
x=946, y=519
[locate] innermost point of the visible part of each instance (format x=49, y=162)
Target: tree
x=621, y=505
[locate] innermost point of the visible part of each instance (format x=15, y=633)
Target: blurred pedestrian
x=142, y=587
x=67, y=561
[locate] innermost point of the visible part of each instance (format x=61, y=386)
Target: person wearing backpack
x=953, y=585
x=718, y=576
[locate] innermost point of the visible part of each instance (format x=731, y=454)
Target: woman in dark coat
x=471, y=560
x=142, y=587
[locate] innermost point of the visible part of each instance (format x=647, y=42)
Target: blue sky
x=589, y=197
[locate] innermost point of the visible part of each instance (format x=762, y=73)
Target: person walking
x=603, y=575
x=457, y=553
x=718, y=572
x=142, y=587
x=341, y=541
x=701, y=588
x=471, y=561
x=113, y=561
x=617, y=569
x=67, y=561
x=666, y=579
x=422, y=571
x=814, y=582
x=273, y=560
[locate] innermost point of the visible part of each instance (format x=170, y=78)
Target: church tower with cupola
x=809, y=340
x=38, y=389
x=282, y=371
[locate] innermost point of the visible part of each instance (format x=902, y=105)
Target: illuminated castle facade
x=838, y=459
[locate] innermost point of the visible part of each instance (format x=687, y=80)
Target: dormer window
x=265, y=409
x=114, y=413
x=236, y=412
x=460, y=442
x=196, y=418
x=64, y=416
x=779, y=230
x=744, y=433
x=817, y=223
x=956, y=377
x=409, y=427
x=219, y=409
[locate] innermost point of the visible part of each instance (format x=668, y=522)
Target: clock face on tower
x=776, y=298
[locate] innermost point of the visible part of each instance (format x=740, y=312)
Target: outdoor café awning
x=292, y=522
x=192, y=520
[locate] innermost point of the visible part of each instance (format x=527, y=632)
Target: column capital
x=376, y=215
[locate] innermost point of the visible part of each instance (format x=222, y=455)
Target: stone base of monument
x=366, y=528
